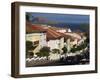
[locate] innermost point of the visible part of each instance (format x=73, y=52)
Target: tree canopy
x=43, y=52
x=55, y=51
x=64, y=49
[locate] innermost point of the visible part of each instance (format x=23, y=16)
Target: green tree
x=64, y=50
x=55, y=51
x=28, y=16
x=78, y=48
x=44, y=52
x=73, y=50
x=29, y=54
x=39, y=54
x=29, y=48
x=29, y=45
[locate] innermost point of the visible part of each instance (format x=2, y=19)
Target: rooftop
x=51, y=32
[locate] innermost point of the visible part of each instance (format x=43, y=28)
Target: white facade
x=53, y=44
x=69, y=30
x=82, y=40
x=56, y=44
x=62, y=30
x=75, y=42
x=61, y=43
x=68, y=45
x=54, y=56
x=41, y=37
x=74, y=35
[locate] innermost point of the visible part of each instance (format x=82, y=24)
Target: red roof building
x=50, y=33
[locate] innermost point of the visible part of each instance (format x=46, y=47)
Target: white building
x=54, y=56
x=54, y=39
x=37, y=38
x=61, y=30
x=69, y=30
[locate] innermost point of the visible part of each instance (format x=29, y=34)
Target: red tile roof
x=30, y=27
x=36, y=27
x=50, y=33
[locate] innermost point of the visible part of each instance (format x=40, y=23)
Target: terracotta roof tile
x=50, y=33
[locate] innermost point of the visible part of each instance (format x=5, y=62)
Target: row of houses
x=53, y=37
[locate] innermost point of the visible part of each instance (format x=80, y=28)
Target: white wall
x=53, y=44
x=5, y=40
x=33, y=37
x=41, y=37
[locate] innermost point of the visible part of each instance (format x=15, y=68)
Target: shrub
x=44, y=52
x=64, y=49
x=55, y=51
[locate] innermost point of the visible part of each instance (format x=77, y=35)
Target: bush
x=43, y=52
x=73, y=50
x=39, y=54
x=55, y=51
x=64, y=49
x=29, y=54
